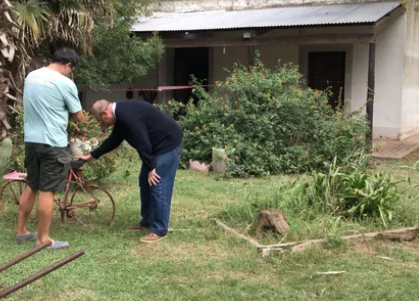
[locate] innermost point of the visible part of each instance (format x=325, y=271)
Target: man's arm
x=72, y=102
x=78, y=116
x=112, y=142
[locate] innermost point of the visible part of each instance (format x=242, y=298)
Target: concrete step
x=395, y=149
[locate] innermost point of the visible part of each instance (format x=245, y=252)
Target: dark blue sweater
x=147, y=129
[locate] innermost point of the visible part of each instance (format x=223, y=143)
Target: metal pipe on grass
x=40, y=274
x=24, y=256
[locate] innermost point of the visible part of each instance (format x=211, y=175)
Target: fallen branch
x=403, y=234
x=386, y=258
x=329, y=273
x=278, y=246
x=232, y=231
x=398, y=235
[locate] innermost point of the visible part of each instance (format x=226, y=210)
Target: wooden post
x=370, y=94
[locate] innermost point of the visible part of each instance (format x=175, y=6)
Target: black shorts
x=47, y=166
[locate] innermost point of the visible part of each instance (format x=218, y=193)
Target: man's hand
x=86, y=158
x=153, y=178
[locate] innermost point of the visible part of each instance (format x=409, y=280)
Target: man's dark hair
x=64, y=56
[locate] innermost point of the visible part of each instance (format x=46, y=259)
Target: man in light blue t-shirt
x=49, y=99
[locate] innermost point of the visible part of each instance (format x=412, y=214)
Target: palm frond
x=32, y=15
x=14, y=63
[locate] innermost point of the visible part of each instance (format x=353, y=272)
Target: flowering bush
x=267, y=123
x=89, y=130
x=85, y=130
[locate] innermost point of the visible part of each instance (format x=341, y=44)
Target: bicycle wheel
x=10, y=194
x=92, y=204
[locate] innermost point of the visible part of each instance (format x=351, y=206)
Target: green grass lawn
x=199, y=261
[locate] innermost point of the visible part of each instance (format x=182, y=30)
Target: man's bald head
x=98, y=107
x=102, y=111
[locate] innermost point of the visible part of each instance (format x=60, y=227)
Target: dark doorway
x=190, y=61
x=327, y=70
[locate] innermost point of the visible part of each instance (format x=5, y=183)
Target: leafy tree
x=118, y=55
x=31, y=30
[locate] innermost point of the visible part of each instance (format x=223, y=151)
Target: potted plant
x=84, y=135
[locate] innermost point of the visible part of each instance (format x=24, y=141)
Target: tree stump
x=272, y=219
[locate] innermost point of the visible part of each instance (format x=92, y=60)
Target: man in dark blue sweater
x=158, y=141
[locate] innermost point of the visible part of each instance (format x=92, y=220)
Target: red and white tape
x=158, y=89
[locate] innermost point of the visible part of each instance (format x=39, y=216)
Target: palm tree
x=60, y=22
x=31, y=29
x=14, y=63
x=27, y=26
x=32, y=16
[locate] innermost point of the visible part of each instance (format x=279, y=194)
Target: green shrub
x=267, y=123
x=354, y=192
x=98, y=170
x=5, y=154
x=350, y=191
x=89, y=129
x=84, y=130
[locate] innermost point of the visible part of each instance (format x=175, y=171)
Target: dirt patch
x=377, y=247
x=362, y=247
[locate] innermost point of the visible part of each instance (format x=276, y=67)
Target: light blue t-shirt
x=48, y=98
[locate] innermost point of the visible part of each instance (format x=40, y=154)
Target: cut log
x=272, y=219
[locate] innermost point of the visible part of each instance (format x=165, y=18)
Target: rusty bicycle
x=82, y=201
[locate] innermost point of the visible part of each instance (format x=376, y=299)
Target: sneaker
x=57, y=245
x=151, y=238
x=21, y=238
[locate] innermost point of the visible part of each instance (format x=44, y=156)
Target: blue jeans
x=156, y=200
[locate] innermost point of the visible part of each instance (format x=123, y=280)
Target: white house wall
x=410, y=96
x=359, y=77
x=389, y=81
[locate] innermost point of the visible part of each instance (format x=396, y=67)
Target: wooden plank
x=387, y=19
x=257, y=41
x=370, y=93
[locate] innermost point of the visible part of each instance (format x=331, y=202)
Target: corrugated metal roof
x=274, y=17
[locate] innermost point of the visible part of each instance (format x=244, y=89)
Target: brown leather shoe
x=136, y=228
x=151, y=238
